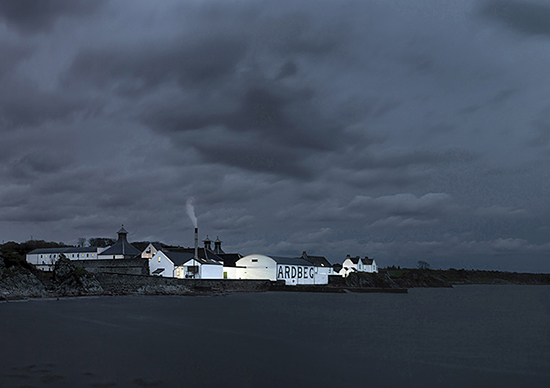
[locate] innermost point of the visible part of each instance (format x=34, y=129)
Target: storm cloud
x=400, y=131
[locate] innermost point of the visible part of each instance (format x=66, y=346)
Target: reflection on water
x=467, y=336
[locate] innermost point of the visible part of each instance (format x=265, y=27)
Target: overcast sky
x=401, y=130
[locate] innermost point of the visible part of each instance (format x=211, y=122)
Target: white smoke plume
x=191, y=211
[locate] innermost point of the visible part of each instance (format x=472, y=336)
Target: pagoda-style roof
x=121, y=247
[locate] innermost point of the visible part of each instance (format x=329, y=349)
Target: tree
x=81, y=242
x=101, y=242
x=423, y=264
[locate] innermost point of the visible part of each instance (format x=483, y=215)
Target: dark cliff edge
x=412, y=278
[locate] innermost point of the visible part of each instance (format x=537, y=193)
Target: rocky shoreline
x=21, y=281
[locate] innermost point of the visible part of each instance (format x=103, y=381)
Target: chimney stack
x=196, y=243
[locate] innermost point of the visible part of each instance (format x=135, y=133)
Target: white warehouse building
x=45, y=258
x=293, y=271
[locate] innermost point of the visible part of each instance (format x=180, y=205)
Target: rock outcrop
x=70, y=280
x=17, y=282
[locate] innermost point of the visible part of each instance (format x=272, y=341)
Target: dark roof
x=290, y=260
x=156, y=245
x=183, y=255
x=355, y=260
x=318, y=261
x=121, y=248
x=158, y=271
x=64, y=250
x=365, y=261
x=229, y=259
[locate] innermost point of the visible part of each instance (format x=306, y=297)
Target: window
x=254, y=260
x=159, y=259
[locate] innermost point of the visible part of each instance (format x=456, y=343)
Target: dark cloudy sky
x=400, y=130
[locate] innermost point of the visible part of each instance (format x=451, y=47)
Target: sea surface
x=467, y=336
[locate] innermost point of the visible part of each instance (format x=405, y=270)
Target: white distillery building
x=46, y=258
x=293, y=271
x=122, y=249
x=151, y=250
x=323, y=265
x=357, y=264
x=184, y=265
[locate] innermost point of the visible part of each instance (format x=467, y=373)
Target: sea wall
x=123, y=284
x=123, y=266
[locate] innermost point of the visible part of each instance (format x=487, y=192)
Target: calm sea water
x=468, y=336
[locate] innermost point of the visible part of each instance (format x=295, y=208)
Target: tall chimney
x=196, y=243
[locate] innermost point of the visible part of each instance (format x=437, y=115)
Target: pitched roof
x=121, y=247
x=64, y=250
x=291, y=260
x=365, y=261
x=318, y=261
x=229, y=259
x=355, y=260
x=183, y=255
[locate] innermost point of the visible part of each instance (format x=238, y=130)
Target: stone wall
x=122, y=284
x=123, y=266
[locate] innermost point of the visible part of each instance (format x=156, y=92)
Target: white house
x=45, y=258
x=150, y=250
x=293, y=271
x=357, y=264
x=184, y=265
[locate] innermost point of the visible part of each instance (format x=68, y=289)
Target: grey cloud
x=287, y=70
x=32, y=16
x=499, y=98
x=525, y=17
x=540, y=133
x=140, y=67
x=21, y=104
x=254, y=156
x=11, y=56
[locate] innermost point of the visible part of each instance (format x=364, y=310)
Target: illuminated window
x=159, y=259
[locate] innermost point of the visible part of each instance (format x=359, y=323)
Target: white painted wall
x=299, y=274
x=211, y=271
x=45, y=261
x=160, y=260
x=149, y=252
x=264, y=267
x=233, y=273
x=257, y=267
x=348, y=266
